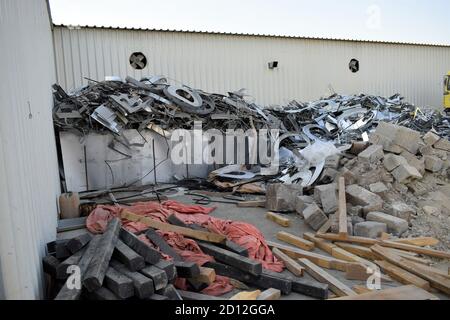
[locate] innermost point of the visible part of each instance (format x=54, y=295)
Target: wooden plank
x=246, y=295
x=409, y=292
x=357, y=272
x=282, y=221
x=98, y=267
x=419, y=241
x=319, y=243
x=342, y=209
x=152, y=223
x=295, y=241
x=269, y=294
x=325, y=227
x=350, y=239
x=436, y=281
x=290, y=263
x=360, y=251
x=233, y=259
x=207, y=275
x=409, y=257
x=321, y=275
x=402, y=276
x=320, y=260
x=342, y=254
x=360, y=289
x=416, y=249
x=252, y=204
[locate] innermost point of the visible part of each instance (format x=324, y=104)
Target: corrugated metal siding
x=28, y=165
x=308, y=68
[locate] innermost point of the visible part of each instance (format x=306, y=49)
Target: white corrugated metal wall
x=29, y=182
x=307, y=69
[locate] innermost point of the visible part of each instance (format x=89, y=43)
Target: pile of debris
x=154, y=103
x=369, y=174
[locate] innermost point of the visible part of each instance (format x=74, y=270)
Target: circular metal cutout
x=138, y=60
x=354, y=65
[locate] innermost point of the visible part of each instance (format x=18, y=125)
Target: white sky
x=423, y=21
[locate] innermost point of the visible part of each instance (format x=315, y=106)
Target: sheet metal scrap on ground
x=368, y=174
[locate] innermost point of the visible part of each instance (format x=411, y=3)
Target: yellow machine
x=447, y=92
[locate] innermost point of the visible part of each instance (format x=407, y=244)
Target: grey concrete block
x=314, y=216
x=406, y=173
x=395, y=225
x=370, y=229
x=392, y=161
x=372, y=154
x=433, y=164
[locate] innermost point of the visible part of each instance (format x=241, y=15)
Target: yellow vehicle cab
x=447, y=91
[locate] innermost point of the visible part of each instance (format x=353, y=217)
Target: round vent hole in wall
x=354, y=65
x=138, y=60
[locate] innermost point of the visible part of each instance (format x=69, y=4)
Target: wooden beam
x=360, y=251
x=265, y=280
x=436, y=281
x=319, y=243
x=290, y=263
x=282, y=221
x=349, y=239
x=252, y=204
x=321, y=275
x=419, y=241
x=143, y=286
x=325, y=227
x=342, y=209
x=128, y=256
x=99, y=265
x=320, y=260
x=163, y=246
x=233, y=259
x=246, y=295
x=402, y=276
x=269, y=294
x=149, y=254
x=412, y=248
x=310, y=288
x=295, y=241
x=399, y=293
x=190, y=233
x=360, y=289
x=207, y=275
x=194, y=296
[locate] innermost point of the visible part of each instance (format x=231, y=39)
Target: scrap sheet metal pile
x=371, y=171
